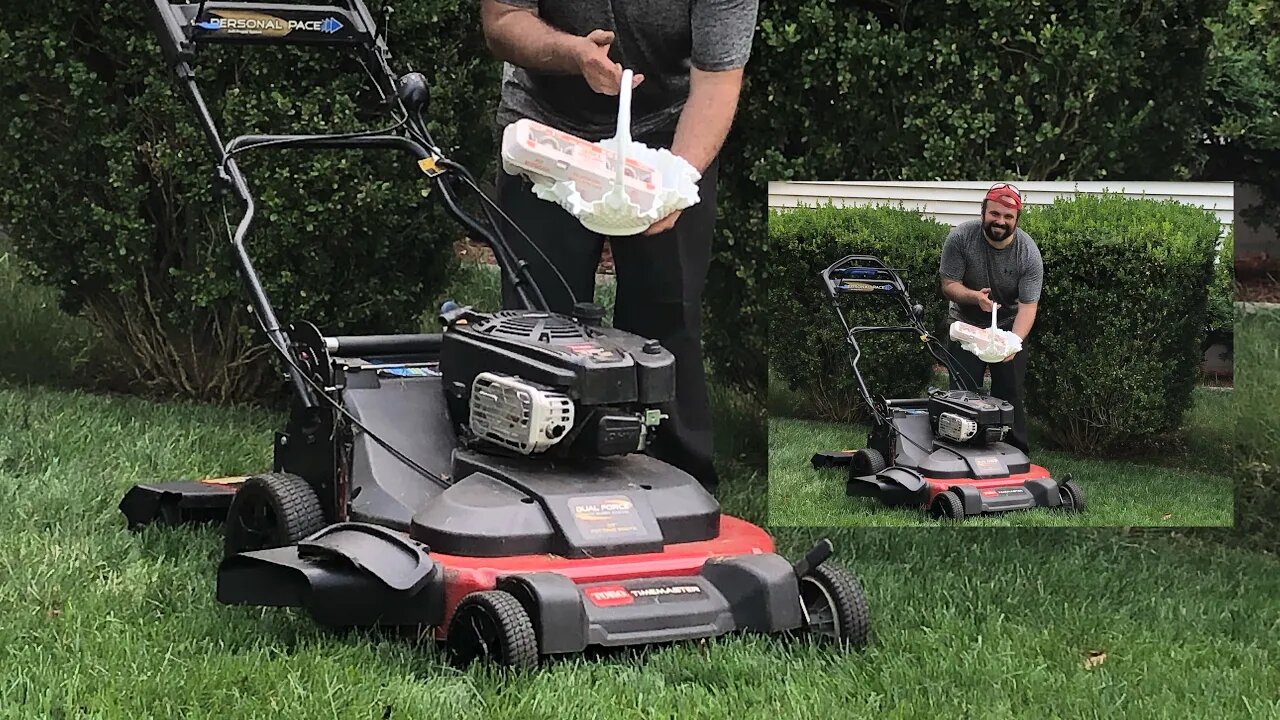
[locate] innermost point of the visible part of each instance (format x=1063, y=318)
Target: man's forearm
x=1025, y=318
x=707, y=115
x=956, y=291
x=522, y=38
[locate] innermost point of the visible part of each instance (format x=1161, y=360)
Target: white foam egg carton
x=989, y=344
x=615, y=186
x=559, y=156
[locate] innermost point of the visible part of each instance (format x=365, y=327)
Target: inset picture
x=1000, y=353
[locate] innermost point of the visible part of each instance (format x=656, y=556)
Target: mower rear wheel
x=272, y=510
x=866, y=461
x=947, y=505
x=492, y=626
x=1072, y=496
x=835, y=608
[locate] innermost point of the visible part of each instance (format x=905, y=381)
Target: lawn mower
x=944, y=453
x=486, y=486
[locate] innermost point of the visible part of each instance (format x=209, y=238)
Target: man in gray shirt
x=563, y=63
x=991, y=260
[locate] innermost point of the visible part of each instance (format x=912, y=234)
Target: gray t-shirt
x=660, y=39
x=1015, y=274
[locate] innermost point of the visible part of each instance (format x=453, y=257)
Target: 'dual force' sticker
x=600, y=517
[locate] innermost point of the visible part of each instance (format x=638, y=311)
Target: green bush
x=108, y=185
x=1116, y=348
x=1222, y=313
x=807, y=348
x=869, y=90
x=1242, y=102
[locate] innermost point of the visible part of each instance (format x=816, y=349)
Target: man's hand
x=520, y=37
x=602, y=74
x=663, y=225
x=1011, y=356
x=983, y=297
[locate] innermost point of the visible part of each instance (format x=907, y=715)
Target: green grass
x=99, y=622
x=1257, y=365
x=1258, y=379
x=1183, y=481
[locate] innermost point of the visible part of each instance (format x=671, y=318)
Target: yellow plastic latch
x=430, y=166
x=225, y=480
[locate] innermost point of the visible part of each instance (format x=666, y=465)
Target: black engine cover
x=989, y=412
x=591, y=365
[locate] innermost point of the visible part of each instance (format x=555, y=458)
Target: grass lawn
x=1258, y=424
x=1187, y=482
x=1258, y=363
x=100, y=622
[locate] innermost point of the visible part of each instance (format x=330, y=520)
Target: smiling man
x=991, y=260
x=563, y=63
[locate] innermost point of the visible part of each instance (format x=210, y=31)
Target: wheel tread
x=851, y=609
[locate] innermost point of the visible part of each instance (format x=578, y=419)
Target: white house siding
x=956, y=202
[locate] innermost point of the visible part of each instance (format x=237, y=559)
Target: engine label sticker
x=593, y=351
x=606, y=517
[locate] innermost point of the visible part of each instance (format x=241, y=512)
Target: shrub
x=1116, y=347
x=1242, y=102
x=108, y=185
x=869, y=90
x=807, y=347
x=1222, y=314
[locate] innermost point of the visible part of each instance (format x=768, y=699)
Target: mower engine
x=964, y=416
x=530, y=382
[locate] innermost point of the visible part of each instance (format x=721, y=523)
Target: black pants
x=659, y=295
x=1007, y=383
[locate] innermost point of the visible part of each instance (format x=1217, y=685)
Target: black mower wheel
x=1072, y=496
x=866, y=461
x=271, y=510
x=492, y=626
x=835, y=607
x=947, y=505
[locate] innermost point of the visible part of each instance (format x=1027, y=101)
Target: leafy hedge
x=1222, y=313
x=108, y=186
x=1242, y=101
x=867, y=90
x=807, y=348
x=1116, y=347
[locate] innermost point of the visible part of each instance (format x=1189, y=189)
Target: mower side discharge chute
x=349, y=574
x=177, y=503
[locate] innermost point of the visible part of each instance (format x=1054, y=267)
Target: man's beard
x=996, y=233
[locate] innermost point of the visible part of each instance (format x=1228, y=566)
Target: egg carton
x=616, y=186
x=989, y=344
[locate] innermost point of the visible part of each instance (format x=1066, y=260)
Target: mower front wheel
x=947, y=505
x=835, y=608
x=492, y=626
x=270, y=511
x=1072, y=496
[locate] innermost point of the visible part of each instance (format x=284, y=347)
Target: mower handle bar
x=177, y=30
x=914, y=313
x=349, y=345
x=878, y=271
